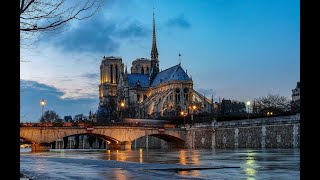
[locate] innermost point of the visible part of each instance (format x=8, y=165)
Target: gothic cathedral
x=146, y=92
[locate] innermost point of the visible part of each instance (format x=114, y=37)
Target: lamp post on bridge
x=42, y=103
x=122, y=104
x=184, y=114
x=192, y=108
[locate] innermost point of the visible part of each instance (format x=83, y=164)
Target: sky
x=232, y=49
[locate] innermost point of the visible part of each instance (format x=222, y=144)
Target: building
x=146, y=92
x=67, y=118
x=295, y=98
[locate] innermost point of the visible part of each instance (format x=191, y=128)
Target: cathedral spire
x=154, y=53
x=154, y=50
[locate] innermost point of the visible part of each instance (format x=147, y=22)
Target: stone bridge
x=117, y=137
x=271, y=132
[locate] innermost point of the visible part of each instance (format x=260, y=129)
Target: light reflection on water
x=253, y=163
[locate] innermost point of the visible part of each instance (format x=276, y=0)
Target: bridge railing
x=85, y=125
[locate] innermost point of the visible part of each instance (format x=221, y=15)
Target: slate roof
x=136, y=78
x=170, y=74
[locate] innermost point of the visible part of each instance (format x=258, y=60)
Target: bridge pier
x=40, y=147
x=113, y=146
x=126, y=145
x=175, y=145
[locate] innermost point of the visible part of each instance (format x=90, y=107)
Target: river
x=248, y=164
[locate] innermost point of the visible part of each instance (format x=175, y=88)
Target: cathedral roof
x=170, y=74
x=136, y=80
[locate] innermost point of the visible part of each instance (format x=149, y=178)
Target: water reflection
x=140, y=156
x=122, y=156
x=120, y=174
x=182, y=157
x=251, y=165
x=117, y=155
x=195, y=157
x=254, y=164
x=109, y=154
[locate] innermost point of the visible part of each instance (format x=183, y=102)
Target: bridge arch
x=84, y=140
x=118, y=137
x=26, y=140
x=102, y=136
x=172, y=141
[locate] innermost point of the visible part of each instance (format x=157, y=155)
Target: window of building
x=111, y=74
x=138, y=97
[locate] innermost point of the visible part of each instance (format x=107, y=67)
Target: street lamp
x=248, y=105
x=193, y=107
x=121, y=107
x=184, y=114
x=42, y=103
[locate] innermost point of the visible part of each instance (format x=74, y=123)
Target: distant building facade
x=146, y=92
x=230, y=107
x=295, y=98
x=68, y=118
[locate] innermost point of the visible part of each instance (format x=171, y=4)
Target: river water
x=140, y=164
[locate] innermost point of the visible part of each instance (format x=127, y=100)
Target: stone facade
x=279, y=132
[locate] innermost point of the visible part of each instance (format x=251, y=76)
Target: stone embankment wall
x=273, y=132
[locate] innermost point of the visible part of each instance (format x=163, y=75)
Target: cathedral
x=147, y=92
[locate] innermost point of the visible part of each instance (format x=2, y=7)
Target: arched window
x=185, y=94
x=177, y=97
x=116, y=74
x=111, y=73
x=138, y=97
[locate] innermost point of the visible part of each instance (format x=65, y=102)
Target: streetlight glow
x=248, y=106
x=194, y=107
x=42, y=102
x=122, y=104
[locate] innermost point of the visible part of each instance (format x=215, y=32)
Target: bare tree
x=50, y=15
x=272, y=103
x=80, y=117
x=50, y=116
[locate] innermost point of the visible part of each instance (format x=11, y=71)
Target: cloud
x=179, y=22
x=132, y=29
x=91, y=75
x=26, y=86
x=99, y=35
x=31, y=92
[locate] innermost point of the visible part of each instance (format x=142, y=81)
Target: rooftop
x=174, y=73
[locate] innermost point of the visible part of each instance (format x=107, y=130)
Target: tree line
x=52, y=116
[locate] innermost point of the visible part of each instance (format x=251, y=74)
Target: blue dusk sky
x=233, y=49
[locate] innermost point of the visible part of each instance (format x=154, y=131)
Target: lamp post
x=248, y=105
x=193, y=108
x=121, y=107
x=184, y=114
x=42, y=103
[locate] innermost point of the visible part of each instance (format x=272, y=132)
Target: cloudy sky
x=233, y=49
